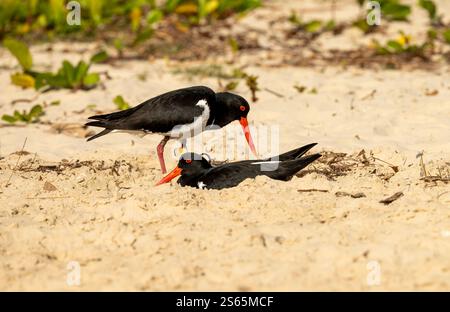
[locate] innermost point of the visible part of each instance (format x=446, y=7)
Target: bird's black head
x=190, y=164
x=231, y=107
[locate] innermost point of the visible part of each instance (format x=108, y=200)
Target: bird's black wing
x=159, y=114
x=228, y=175
x=293, y=154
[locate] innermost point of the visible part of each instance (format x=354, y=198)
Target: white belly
x=193, y=128
x=180, y=131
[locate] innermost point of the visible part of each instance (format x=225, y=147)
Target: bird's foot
x=178, y=151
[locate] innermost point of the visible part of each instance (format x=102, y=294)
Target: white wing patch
x=139, y=133
x=266, y=162
x=181, y=131
x=195, y=127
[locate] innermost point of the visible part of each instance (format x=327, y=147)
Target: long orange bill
x=172, y=175
x=248, y=137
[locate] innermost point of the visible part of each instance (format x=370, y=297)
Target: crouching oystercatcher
x=197, y=172
x=178, y=114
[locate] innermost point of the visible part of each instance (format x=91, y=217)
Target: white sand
x=127, y=234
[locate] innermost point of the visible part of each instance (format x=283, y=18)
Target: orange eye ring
x=188, y=161
x=242, y=108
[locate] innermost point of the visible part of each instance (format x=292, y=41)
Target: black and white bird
x=195, y=171
x=177, y=115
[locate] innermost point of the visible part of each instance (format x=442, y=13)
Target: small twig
x=395, y=168
x=435, y=179
x=55, y=197
x=17, y=163
x=369, y=96
x=423, y=171
x=356, y=195
x=312, y=190
x=25, y=100
x=392, y=198
x=439, y=196
x=274, y=93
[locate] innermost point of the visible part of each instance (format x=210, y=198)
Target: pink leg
x=160, y=151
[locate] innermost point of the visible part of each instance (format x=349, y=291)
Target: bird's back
x=232, y=174
x=161, y=113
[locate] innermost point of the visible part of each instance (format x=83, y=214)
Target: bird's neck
x=219, y=116
x=192, y=178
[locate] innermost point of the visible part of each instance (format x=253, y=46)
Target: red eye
x=188, y=161
x=242, y=108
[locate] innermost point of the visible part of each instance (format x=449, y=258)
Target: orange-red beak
x=248, y=136
x=172, y=175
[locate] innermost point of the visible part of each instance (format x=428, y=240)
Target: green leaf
x=9, y=118
x=95, y=10
x=330, y=25
x=57, y=81
x=171, y=5
x=232, y=85
x=294, y=19
x=394, y=46
x=18, y=115
x=142, y=36
x=432, y=34
x=91, y=79
x=430, y=7
x=36, y=111
x=20, y=51
x=23, y=80
x=99, y=57
x=234, y=45
x=395, y=11
x=135, y=15
x=154, y=16
x=80, y=72
x=313, y=26
x=121, y=103
x=118, y=44
x=41, y=80
x=446, y=35
x=68, y=72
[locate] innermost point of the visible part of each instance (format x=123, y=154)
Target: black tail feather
x=102, y=133
x=116, y=115
x=102, y=124
x=293, y=154
x=287, y=169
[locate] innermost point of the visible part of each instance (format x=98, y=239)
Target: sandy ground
x=66, y=201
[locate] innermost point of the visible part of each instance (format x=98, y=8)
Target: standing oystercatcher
x=197, y=172
x=178, y=114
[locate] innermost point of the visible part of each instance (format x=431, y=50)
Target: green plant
x=312, y=26
x=20, y=52
x=196, y=11
x=121, y=103
x=47, y=18
x=430, y=7
x=394, y=10
x=28, y=117
x=250, y=80
x=301, y=89
x=446, y=35
x=402, y=45
x=68, y=76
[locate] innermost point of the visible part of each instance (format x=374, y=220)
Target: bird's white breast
x=195, y=127
x=181, y=131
